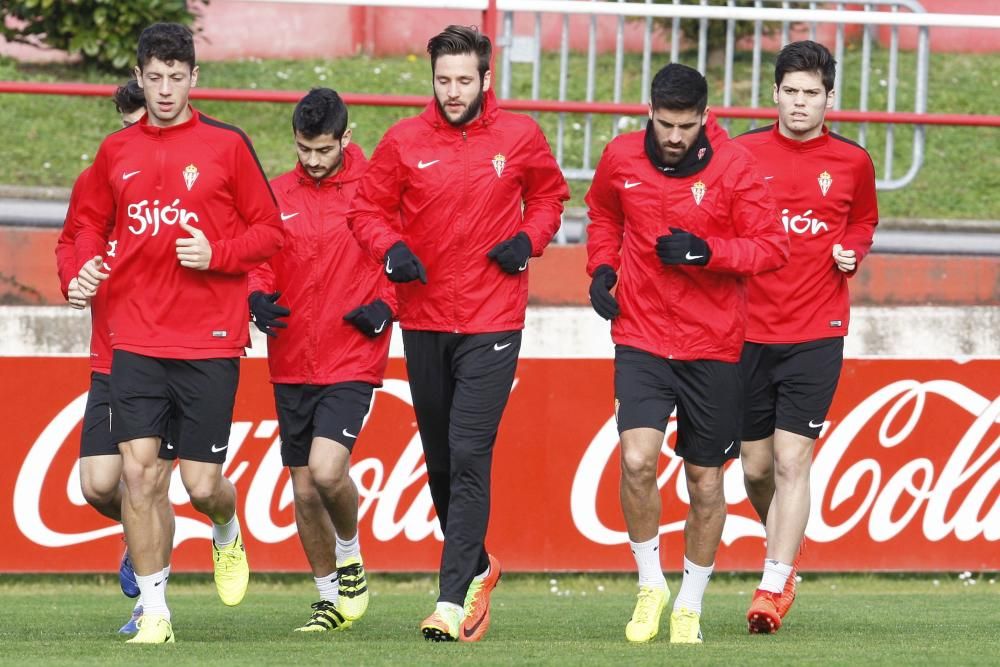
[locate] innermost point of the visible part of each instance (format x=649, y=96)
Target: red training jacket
x=100, y=343
x=204, y=173
x=825, y=189
x=681, y=312
x=323, y=274
x=452, y=193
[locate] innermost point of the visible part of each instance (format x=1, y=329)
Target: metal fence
x=769, y=22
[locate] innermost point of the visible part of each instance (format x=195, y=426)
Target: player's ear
x=650, y=110
x=704, y=116
x=138, y=75
x=830, y=98
x=194, y=76
x=345, y=140
x=774, y=92
x=487, y=80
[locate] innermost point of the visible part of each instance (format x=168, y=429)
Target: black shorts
x=307, y=411
x=706, y=393
x=789, y=386
x=149, y=393
x=95, y=439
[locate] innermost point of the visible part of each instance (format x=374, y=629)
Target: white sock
x=647, y=560
x=225, y=534
x=775, y=576
x=153, y=594
x=445, y=608
x=348, y=549
x=693, y=586
x=329, y=587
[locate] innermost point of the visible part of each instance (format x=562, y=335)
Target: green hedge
x=103, y=32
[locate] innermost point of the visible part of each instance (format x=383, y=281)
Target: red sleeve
x=863, y=218
x=374, y=214
x=256, y=205
x=761, y=243
x=261, y=279
x=544, y=193
x=65, y=246
x=387, y=292
x=94, y=208
x=607, y=220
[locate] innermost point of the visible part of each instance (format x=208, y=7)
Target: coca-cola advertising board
x=906, y=476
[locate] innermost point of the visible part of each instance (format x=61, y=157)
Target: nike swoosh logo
x=471, y=631
x=159, y=582
x=169, y=446
x=346, y=434
x=767, y=178
x=689, y=257
x=387, y=268
x=729, y=447
x=381, y=326
x=216, y=450
x=288, y=216
x=523, y=266
x=629, y=186
x=498, y=346
x=819, y=425
x=130, y=174
x=424, y=165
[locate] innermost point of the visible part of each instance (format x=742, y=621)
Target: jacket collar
x=801, y=146
x=352, y=170
x=696, y=159
x=433, y=116
x=173, y=130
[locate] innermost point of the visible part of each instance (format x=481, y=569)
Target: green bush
x=103, y=32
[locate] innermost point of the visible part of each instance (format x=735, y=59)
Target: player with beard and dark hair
x=825, y=188
x=454, y=204
x=192, y=214
x=684, y=218
x=328, y=313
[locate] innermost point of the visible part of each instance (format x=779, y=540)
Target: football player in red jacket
x=824, y=185
x=100, y=460
x=453, y=205
x=192, y=214
x=678, y=220
x=327, y=310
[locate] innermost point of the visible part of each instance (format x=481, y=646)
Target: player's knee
x=331, y=480
x=637, y=467
x=98, y=495
x=757, y=474
x=202, y=493
x=141, y=479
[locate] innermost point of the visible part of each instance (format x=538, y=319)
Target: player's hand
x=604, y=304
x=75, y=296
x=371, y=319
x=846, y=260
x=402, y=266
x=264, y=312
x=194, y=252
x=91, y=276
x=512, y=255
x=681, y=247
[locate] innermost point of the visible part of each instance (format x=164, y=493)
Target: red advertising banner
x=906, y=476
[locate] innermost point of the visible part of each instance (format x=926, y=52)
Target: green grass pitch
x=537, y=619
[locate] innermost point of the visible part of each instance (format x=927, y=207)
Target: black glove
x=371, y=319
x=402, y=266
x=264, y=312
x=512, y=255
x=681, y=247
x=604, y=304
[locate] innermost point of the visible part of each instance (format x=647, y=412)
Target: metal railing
x=764, y=16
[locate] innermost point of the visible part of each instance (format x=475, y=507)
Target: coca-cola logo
x=915, y=461
x=380, y=490
x=884, y=504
